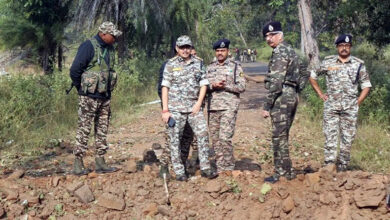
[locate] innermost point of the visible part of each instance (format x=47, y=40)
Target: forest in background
x=36, y=112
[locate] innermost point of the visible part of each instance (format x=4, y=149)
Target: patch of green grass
x=233, y=185
x=370, y=150
x=35, y=109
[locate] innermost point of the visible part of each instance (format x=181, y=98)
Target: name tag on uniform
x=331, y=68
x=177, y=69
x=241, y=74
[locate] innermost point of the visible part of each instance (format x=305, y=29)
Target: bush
x=36, y=109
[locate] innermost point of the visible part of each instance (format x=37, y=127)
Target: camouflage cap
x=183, y=40
x=109, y=28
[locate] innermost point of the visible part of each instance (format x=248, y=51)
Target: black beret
x=273, y=26
x=344, y=38
x=223, y=43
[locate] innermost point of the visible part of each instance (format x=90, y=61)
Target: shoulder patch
x=358, y=60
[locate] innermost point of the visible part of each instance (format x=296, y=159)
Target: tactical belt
x=290, y=84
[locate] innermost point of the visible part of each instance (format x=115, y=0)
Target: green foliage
x=233, y=185
x=35, y=109
x=35, y=24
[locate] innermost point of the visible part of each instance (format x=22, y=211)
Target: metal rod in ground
x=166, y=188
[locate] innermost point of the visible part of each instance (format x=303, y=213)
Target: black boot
x=272, y=179
x=78, y=167
x=102, y=167
x=341, y=167
x=182, y=177
x=207, y=173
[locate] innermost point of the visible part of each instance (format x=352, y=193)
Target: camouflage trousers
x=198, y=124
x=339, y=123
x=97, y=111
x=187, y=140
x=221, y=126
x=282, y=117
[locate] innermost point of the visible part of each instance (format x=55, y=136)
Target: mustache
x=344, y=51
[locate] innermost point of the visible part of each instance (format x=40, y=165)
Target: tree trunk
x=47, y=57
x=308, y=40
x=239, y=30
x=59, y=58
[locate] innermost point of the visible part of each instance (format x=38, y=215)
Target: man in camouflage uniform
x=94, y=60
x=186, y=141
x=343, y=74
x=281, y=99
x=184, y=87
x=227, y=81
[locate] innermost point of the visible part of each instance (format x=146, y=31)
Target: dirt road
x=135, y=192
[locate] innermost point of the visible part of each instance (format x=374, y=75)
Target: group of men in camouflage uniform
x=185, y=82
x=343, y=75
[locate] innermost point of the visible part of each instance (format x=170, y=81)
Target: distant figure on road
x=344, y=73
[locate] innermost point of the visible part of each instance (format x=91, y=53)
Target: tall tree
x=36, y=24
x=308, y=40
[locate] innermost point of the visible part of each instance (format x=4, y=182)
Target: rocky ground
x=43, y=188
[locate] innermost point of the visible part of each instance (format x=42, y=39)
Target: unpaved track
x=131, y=194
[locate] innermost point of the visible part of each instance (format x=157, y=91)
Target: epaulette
x=173, y=58
x=358, y=60
x=198, y=58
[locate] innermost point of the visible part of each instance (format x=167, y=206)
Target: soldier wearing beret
x=227, y=82
x=343, y=73
x=93, y=75
x=281, y=99
x=184, y=87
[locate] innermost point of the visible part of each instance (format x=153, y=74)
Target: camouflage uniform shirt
x=229, y=98
x=342, y=87
x=283, y=61
x=184, y=80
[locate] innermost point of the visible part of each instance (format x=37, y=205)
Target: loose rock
x=11, y=193
x=2, y=212
x=31, y=200
x=312, y=178
x=84, y=194
x=288, y=204
x=151, y=210
x=368, y=198
x=16, y=174
x=213, y=186
x=163, y=210
x=71, y=188
x=130, y=166
x=110, y=201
